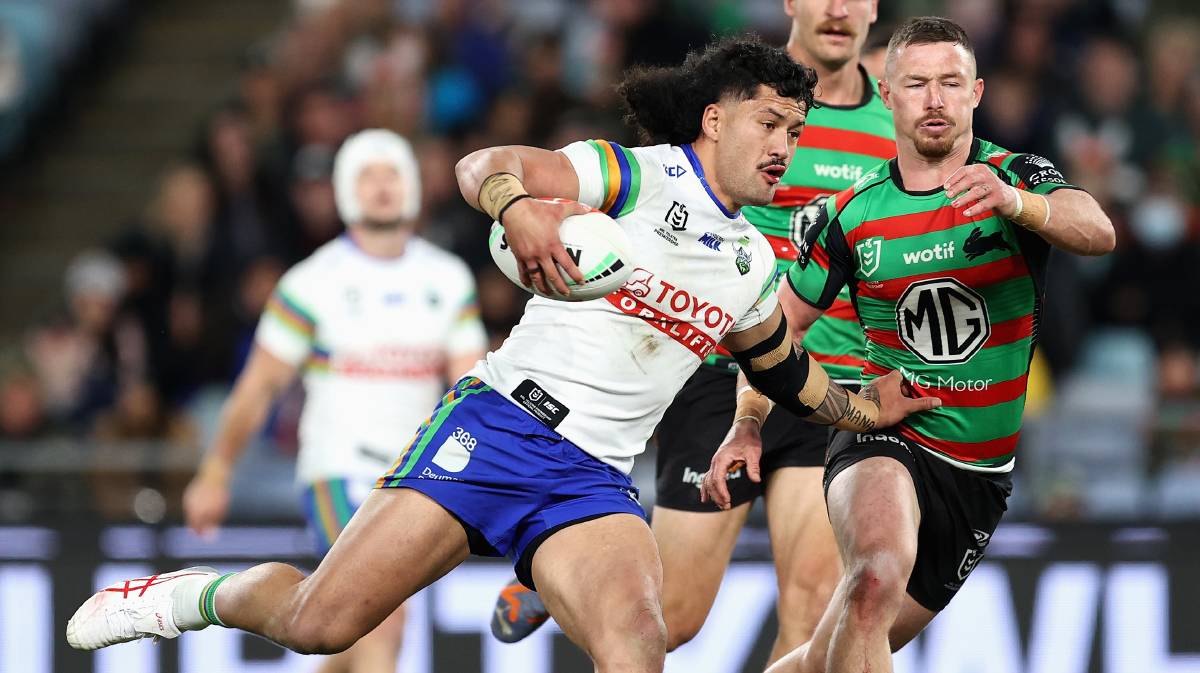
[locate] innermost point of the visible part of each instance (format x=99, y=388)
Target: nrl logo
x=869, y=252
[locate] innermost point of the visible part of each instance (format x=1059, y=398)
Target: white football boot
x=133, y=609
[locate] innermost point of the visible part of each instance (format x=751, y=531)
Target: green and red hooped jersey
x=838, y=146
x=952, y=302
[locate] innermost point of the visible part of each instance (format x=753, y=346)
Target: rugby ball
x=594, y=240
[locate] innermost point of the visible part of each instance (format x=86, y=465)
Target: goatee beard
x=933, y=148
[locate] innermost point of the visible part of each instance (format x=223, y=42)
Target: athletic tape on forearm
x=499, y=191
x=1033, y=213
x=752, y=404
x=801, y=386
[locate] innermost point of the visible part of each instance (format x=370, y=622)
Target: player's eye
x=770, y=126
x=794, y=135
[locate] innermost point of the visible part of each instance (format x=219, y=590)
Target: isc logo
x=942, y=321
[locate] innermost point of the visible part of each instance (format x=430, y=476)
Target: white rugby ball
x=594, y=240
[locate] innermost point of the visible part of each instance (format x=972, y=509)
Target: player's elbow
x=1106, y=238
x=465, y=170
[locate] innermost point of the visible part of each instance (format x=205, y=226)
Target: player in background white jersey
x=538, y=471
x=376, y=322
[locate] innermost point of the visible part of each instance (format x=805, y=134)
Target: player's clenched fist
x=531, y=229
x=742, y=448
x=978, y=189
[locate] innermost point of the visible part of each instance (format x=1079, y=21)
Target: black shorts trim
x=524, y=564
x=694, y=426
x=960, y=509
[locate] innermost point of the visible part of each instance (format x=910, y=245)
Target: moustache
x=836, y=25
x=773, y=162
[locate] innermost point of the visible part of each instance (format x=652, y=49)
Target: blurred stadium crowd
x=162, y=315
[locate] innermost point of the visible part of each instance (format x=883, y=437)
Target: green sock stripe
x=208, y=600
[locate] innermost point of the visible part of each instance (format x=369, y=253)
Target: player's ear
x=874, y=10
x=977, y=94
x=885, y=93
x=710, y=123
x=787, y=8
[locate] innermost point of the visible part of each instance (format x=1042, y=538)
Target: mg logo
x=869, y=250
x=942, y=321
x=803, y=219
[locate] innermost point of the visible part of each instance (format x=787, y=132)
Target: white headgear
x=367, y=147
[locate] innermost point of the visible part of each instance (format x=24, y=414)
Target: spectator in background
x=311, y=197
x=134, y=474
x=22, y=414
x=1107, y=136
x=241, y=223
x=81, y=358
x=1153, y=278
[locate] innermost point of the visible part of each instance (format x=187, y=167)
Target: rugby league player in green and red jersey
x=944, y=250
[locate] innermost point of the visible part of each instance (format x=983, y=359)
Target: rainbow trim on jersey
x=622, y=177
x=292, y=315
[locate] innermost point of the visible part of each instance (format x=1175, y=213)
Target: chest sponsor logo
x=942, y=321
x=673, y=311
x=803, y=219
x=540, y=403
x=869, y=250
x=939, y=251
x=977, y=245
x=710, y=241
x=677, y=216
x=848, y=172
x=675, y=171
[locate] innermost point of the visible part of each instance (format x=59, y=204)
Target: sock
x=193, y=602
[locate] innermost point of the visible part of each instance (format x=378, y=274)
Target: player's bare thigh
x=807, y=563
x=398, y=542
x=695, y=548
x=602, y=582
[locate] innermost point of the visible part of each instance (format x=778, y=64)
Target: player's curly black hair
x=666, y=105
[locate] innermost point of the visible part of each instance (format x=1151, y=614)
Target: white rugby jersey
x=602, y=372
x=372, y=336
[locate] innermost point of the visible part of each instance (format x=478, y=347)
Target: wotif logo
x=838, y=171
x=939, y=251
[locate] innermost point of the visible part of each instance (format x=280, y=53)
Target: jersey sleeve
x=1034, y=174
x=466, y=334
x=610, y=176
x=768, y=299
x=824, y=265
x=288, y=326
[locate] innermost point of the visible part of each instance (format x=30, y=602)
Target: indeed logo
x=939, y=251
x=695, y=478
x=838, y=172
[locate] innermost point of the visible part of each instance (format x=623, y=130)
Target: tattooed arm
x=796, y=382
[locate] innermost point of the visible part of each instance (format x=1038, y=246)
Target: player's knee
x=640, y=636
x=876, y=585
x=683, y=622
x=319, y=630
x=316, y=636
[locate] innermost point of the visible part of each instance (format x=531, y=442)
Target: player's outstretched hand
x=978, y=189
x=895, y=400
x=531, y=228
x=205, y=503
x=742, y=448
